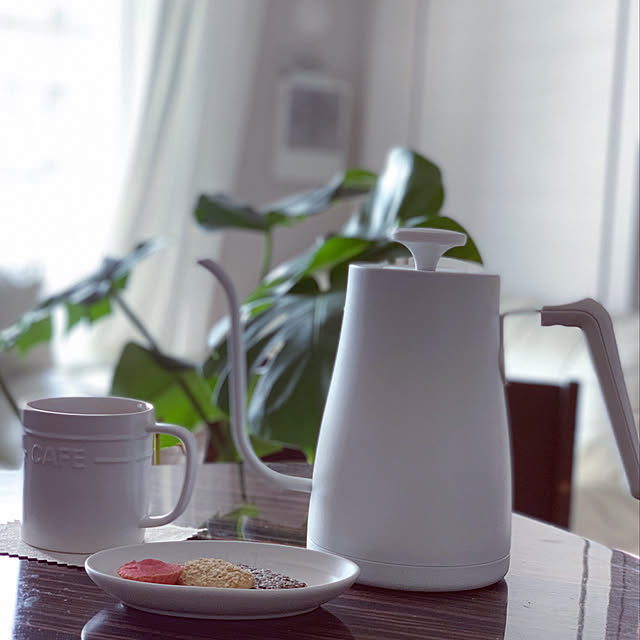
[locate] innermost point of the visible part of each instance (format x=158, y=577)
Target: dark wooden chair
x=542, y=419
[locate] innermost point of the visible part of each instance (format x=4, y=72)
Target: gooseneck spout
x=238, y=389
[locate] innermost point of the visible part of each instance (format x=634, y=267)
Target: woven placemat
x=11, y=543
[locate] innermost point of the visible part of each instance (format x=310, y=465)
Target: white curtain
x=188, y=99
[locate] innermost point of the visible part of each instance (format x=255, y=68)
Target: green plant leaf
x=289, y=396
x=410, y=186
x=468, y=251
x=98, y=309
x=290, y=353
x=110, y=276
x=75, y=314
x=88, y=300
x=263, y=447
x=323, y=256
x=257, y=339
x=219, y=211
x=292, y=323
x=171, y=385
x=351, y=183
x=31, y=330
x=233, y=519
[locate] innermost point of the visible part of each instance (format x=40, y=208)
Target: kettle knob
x=428, y=245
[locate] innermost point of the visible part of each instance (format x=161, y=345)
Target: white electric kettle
x=412, y=476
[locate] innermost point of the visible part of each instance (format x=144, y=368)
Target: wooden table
x=560, y=586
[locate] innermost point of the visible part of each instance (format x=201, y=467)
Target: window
x=60, y=133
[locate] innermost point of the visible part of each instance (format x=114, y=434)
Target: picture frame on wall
x=312, y=126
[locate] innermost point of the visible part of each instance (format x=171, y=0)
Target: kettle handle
x=595, y=322
x=238, y=390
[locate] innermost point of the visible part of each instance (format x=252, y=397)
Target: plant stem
x=243, y=482
x=9, y=396
x=266, y=258
x=137, y=323
x=131, y=315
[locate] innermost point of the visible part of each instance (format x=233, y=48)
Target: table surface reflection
x=559, y=585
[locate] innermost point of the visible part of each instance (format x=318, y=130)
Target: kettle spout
x=238, y=389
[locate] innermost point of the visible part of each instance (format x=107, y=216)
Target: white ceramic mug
x=87, y=465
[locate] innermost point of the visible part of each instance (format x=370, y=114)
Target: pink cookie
x=150, y=571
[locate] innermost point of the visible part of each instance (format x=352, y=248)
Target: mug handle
x=189, y=474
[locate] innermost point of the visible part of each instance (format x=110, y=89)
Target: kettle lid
x=428, y=245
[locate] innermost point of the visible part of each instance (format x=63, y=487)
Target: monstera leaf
x=88, y=300
x=326, y=254
x=291, y=348
x=177, y=389
x=165, y=382
x=218, y=211
x=409, y=193
x=409, y=188
x=180, y=393
x=293, y=317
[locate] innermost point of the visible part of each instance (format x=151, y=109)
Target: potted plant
x=293, y=316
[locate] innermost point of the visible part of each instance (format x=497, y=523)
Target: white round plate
x=326, y=576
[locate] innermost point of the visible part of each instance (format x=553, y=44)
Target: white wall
x=392, y=79
x=331, y=35
x=511, y=98
x=513, y=101
x=622, y=185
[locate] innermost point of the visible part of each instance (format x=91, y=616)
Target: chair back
x=542, y=419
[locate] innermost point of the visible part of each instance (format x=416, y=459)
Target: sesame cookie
x=213, y=572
